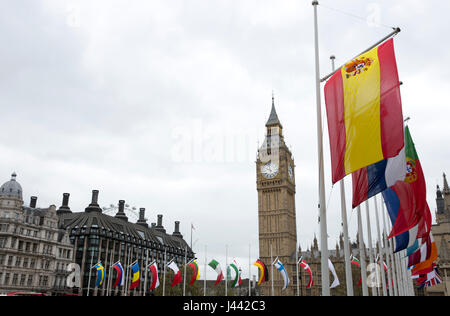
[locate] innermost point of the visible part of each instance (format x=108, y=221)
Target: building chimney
x=160, y=226
x=121, y=213
x=64, y=209
x=153, y=225
x=33, y=201
x=94, y=207
x=142, y=221
x=177, y=233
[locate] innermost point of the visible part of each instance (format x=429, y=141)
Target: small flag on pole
x=154, y=273
x=216, y=266
x=119, y=279
x=283, y=272
x=100, y=274
x=263, y=273
x=177, y=278
x=136, y=276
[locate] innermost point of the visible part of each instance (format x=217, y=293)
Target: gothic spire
x=273, y=118
x=446, y=189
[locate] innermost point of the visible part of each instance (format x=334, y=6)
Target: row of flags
x=368, y=140
x=136, y=274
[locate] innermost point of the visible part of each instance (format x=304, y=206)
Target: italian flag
x=216, y=266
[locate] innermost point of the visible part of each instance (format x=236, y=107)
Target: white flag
x=333, y=271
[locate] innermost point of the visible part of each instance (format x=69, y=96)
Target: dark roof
x=82, y=223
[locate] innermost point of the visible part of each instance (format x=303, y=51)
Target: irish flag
x=364, y=111
x=216, y=266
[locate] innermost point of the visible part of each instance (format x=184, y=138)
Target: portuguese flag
x=406, y=200
x=216, y=266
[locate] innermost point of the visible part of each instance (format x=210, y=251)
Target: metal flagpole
x=381, y=247
x=348, y=265
x=362, y=254
x=90, y=271
x=296, y=266
x=322, y=205
x=109, y=274
x=249, y=270
x=204, y=282
x=226, y=270
x=271, y=260
x=164, y=278
x=389, y=256
x=185, y=263
x=369, y=238
x=146, y=273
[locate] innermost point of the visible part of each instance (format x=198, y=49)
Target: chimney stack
x=160, y=226
x=142, y=221
x=94, y=207
x=64, y=209
x=177, y=233
x=121, y=213
x=33, y=201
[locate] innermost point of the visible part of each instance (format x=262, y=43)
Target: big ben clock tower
x=275, y=182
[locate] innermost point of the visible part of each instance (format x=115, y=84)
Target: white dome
x=11, y=188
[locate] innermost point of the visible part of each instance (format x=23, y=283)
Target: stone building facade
x=441, y=234
x=34, y=250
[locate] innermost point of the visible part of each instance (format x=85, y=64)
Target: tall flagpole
x=322, y=205
x=90, y=270
x=226, y=270
x=348, y=265
x=389, y=256
x=381, y=247
x=204, y=281
x=164, y=275
x=369, y=238
x=296, y=270
x=362, y=254
x=145, y=271
x=184, y=279
x=249, y=270
x=271, y=261
x=109, y=273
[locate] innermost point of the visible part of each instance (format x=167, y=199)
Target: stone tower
x=275, y=182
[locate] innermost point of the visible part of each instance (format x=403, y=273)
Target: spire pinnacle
x=446, y=187
x=273, y=118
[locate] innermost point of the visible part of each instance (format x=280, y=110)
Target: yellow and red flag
x=364, y=111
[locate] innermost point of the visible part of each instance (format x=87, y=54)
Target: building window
x=30, y=280
x=15, y=279
x=22, y=279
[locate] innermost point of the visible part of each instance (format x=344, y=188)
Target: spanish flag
x=364, y=111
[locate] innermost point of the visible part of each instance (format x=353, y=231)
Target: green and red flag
x=406, y=200
x=195, y=274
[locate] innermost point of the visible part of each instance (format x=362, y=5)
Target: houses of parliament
x=275, y=183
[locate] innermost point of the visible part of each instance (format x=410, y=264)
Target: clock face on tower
x=291, y=173
x=269, y=170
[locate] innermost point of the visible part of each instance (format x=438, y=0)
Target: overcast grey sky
x=162, y=103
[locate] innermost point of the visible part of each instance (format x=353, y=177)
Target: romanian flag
x=136, y=276
x=263, y=273
x=364, y=111
x=100, y=274
x=195, y=273
x=119, y=280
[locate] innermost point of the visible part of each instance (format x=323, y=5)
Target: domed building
x=34, y=251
